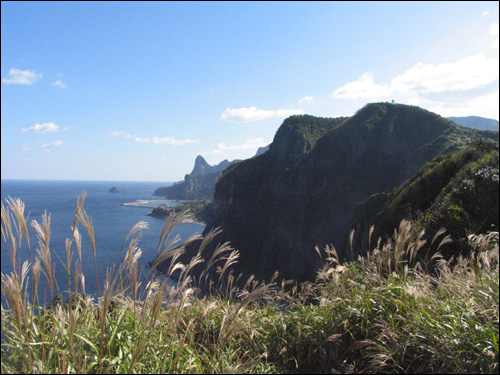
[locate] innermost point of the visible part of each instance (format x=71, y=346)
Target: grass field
x=402, y=308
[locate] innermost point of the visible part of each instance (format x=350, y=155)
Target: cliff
x=276, y=207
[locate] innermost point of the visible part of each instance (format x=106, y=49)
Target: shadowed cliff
x=276, y=207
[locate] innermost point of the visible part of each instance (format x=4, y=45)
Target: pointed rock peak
x=200, y=166
x=200, y=161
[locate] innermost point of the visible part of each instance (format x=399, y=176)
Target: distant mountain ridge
x=476, y=122
x=201, y=167
x=276, y=207
x=199, y=184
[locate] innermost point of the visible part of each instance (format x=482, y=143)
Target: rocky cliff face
x=276, y=207
x=199, y=184
x=201, y=167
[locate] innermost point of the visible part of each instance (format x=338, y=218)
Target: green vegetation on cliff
x=458, y=191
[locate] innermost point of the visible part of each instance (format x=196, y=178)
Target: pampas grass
x=400, y=308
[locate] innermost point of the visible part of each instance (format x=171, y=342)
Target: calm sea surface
x=111, y=221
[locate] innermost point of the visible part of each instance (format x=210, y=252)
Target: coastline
x=143, y=202
x=201, y=210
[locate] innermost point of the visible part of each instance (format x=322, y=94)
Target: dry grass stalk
x=12, y=286
x=43, y=234
x=87, y=223
x=17, y=208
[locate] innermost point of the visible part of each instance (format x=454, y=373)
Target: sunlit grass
x=400, y=308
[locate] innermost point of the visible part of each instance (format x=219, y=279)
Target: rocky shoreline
x=144, y=202
x=201, y=210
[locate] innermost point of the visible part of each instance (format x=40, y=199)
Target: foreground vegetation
x=401, y=308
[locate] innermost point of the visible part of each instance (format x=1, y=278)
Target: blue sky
x=135, y=91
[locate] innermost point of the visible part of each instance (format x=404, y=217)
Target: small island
x=114, y=189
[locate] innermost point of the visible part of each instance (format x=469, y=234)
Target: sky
x=134, y=91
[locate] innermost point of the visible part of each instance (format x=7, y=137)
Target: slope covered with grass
x=389, y=311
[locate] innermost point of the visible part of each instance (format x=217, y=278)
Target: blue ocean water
x=111, y=220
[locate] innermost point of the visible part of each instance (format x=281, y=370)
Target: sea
x=111, y=221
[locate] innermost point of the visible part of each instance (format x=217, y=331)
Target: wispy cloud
x=119, y=133
x=144, y=140
x=59, y=84
x=250, y=144
x=21, y=77
x=155, y=140
x=49, y=127
x=166, y=140
x=47, y=146
x=306, y=99
x=253, y=114
x=173, y=141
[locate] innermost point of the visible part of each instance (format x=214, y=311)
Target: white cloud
x=49, y=127
x=466, y=74
x=253, y=114
x=364, y=88
x=250, y=144
x=306, y=99
x=484, y=105
x=21, y=77
x=494, y=31
x=166, y=140
x=59, y=84
x=469, y=73
x=47, y=146
x=466, y=87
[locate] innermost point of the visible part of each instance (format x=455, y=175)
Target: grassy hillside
x=386, y=312
x=458, y=191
